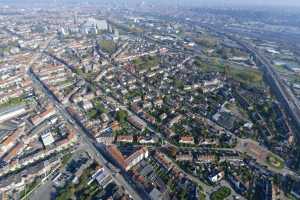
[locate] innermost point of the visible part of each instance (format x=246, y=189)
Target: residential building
x=187, y=140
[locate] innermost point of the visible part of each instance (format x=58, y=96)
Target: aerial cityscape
x=149, y=100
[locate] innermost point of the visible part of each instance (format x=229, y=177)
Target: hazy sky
x=240, y=2
x=186, y=2
x=290, y=3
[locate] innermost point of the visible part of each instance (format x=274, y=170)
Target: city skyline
x=149, y=100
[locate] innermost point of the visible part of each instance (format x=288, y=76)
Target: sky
x=220, y=3
x=235, y=2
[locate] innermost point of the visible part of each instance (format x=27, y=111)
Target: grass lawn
x=246, y=75
x=275, y=161
x=66, y=158
x=108, y=46
x=241, y=74
x=281, y=69
x=101, y=109
x=237, y=110
x=202, y=196
x=221, y=193
x=206, y=41
x=146, y=62
x=14, y=102
x=92, y=114
x=133, y=93
x=209, y=66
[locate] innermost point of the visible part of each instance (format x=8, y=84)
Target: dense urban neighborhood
x=145, y=101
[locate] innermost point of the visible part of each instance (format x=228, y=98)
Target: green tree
x=183, y=194
x=122, y=115
x=92, y=114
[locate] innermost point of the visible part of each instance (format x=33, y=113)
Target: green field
x=221, y=193
x=206, y=41
x=247, y=76
x=281, y=69
x=146, y=62
x=14, y=102
x=241, y=74
x=108, y=46
x=202, y=196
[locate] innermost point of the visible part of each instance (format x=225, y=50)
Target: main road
x=83, y=134
x=84, y=137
